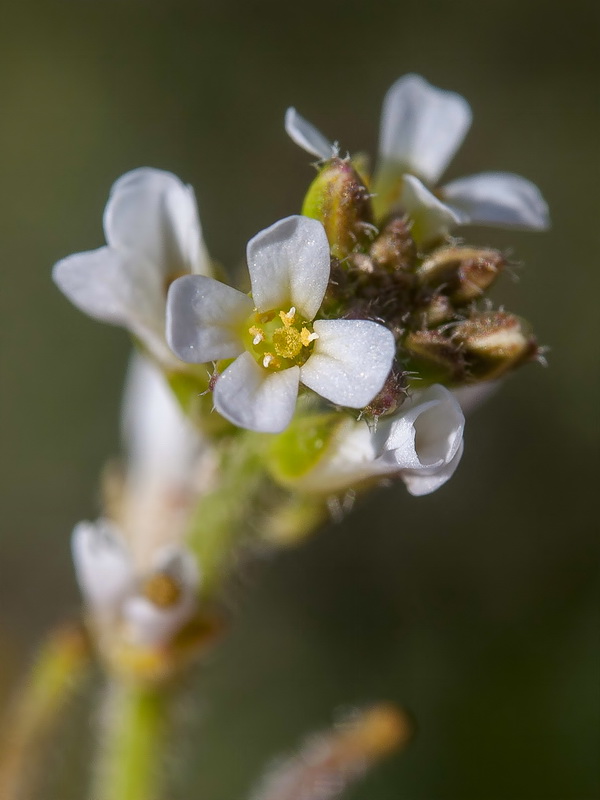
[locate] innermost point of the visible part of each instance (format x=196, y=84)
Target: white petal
x=154, y=214
x=421, y=482
x=307, y=136
x=431, y=219
x=162, y=445
x=289, y=265
x=254, y=398
x=204, y=319
x=350, y=361
x=118, y=288
x=498, y=198
x=348, y=460
x=103, y=284
x=102, y=565
x=180, y=564
x=152, y=625
x=426, y=433
x=422, y=127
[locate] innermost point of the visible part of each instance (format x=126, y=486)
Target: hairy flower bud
x=391, y=397
x=435, y=356
x=339, y=199
x=438, y=310
x=494, y=342
x=394, y=249
x=462, y=273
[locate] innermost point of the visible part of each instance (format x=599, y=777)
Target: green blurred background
x=477, y=607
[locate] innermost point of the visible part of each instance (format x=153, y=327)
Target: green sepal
x=340, y=200
x=300, y=447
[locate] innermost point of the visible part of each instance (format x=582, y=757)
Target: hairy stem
x=56, y=674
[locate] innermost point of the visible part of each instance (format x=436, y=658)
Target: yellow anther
x=268, y=359
x=306, y=337
x=162, y=590
x=289, y=317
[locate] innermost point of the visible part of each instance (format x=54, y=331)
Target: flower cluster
x=365, y=324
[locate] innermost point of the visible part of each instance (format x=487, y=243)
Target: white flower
x=422, y=444
x=422, y=127
x=153, y=235
x=166, y=463
x=151, y=606
x=272, y=337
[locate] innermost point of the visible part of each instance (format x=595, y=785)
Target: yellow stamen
x=288, y=319
x=257, y=334
x=306, y=337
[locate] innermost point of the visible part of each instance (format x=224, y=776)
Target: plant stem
x=56, y=674
x=133, y=756
x=225, y=515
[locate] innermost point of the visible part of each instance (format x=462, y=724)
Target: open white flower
x=153, y=236
x=150, y=606
x=422, y=444
x=422, y=127
x=272, y=336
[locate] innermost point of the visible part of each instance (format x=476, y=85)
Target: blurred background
x=477, y=607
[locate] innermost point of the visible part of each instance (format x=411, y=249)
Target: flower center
x=279, y=339
x=161, y=590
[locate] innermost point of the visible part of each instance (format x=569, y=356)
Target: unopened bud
x=435, y=356
x=394, y=249
x=391, y=397
x=462, y=273
x=340, y=200
x=438, y=311
x=494, y=342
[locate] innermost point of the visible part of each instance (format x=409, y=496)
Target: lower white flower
x=153, y=235
x=273, y=336
x=422, y=444
x=422, y=127
x=151, y=606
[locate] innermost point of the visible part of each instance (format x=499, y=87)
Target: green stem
x=133, y=756
x=56, y=674
x=225, y=515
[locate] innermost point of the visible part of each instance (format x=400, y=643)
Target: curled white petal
x=350, y=361
x=152, y=213
x=102, y=565
x=497, y=198
x=289, y=265
x=431, y=219
x=422, y=482
x=254, y=398
x=204, y=317
x=162, y=445
x=306, y=136
x=422, y=127
x=423, y=441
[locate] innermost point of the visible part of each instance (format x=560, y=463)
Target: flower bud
x=438, y=310
x=391, y=397
x=339, y=199
x=434, y=356
x=394, y=249
x=494, y=342
x=462, y=273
